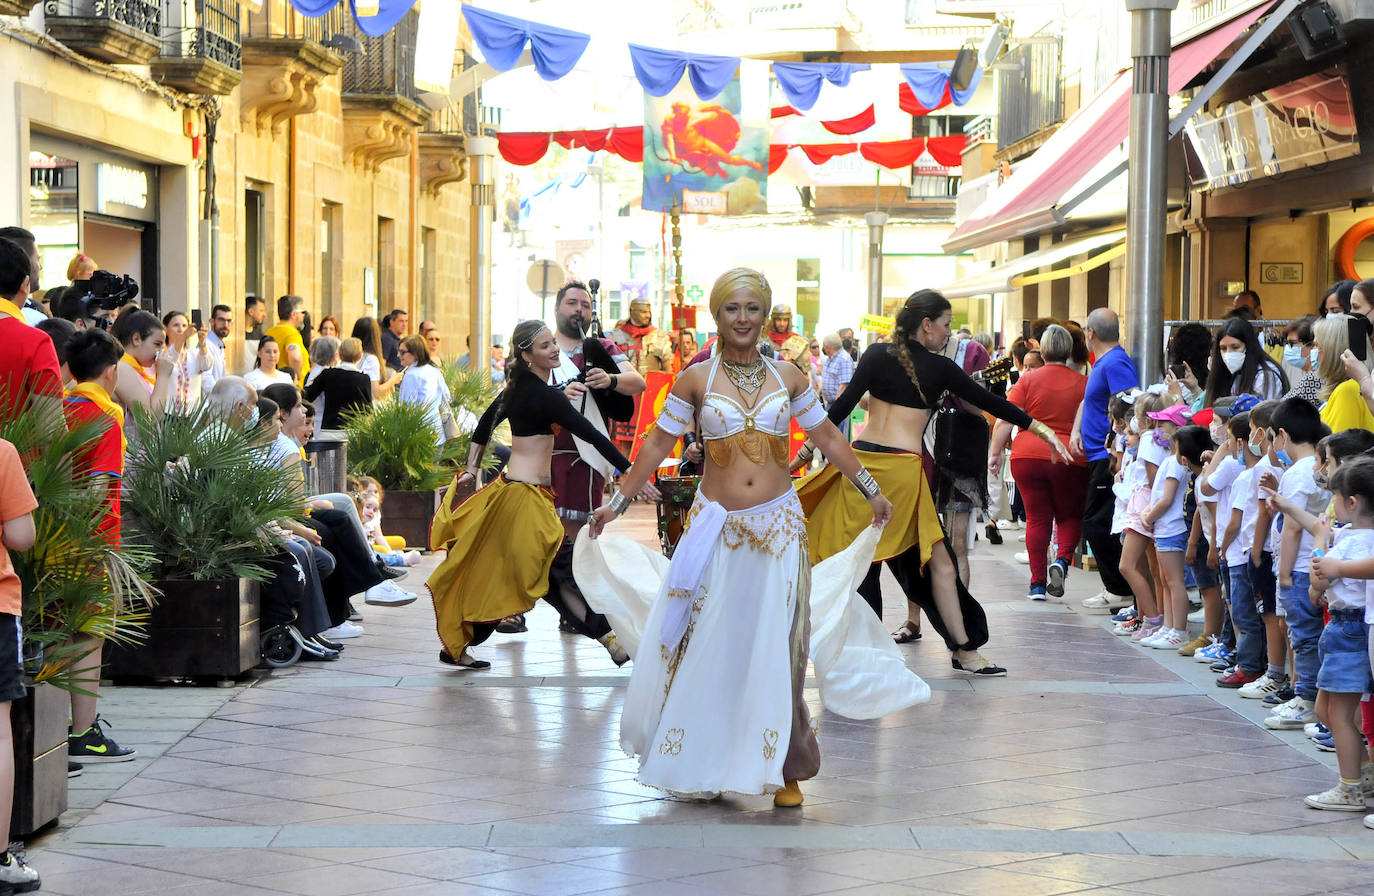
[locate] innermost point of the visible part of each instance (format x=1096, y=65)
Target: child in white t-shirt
x=1343, y=577
x=1166, y=516
x=1139, y=565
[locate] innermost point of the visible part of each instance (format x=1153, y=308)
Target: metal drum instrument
x=678, y=494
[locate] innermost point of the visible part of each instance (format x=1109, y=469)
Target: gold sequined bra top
x=759, y=433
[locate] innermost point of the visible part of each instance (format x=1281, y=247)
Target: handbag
x=449, y=422
x=961, y=442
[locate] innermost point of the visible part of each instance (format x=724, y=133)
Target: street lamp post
x=1147, y=181
x=482, y=169
x=875, y=221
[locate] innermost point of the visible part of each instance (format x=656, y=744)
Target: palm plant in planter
x=199, y=496
x=77, y=588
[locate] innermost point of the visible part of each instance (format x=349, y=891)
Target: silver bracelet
x=866, y=483
x=619, y=503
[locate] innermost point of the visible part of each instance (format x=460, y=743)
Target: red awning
x=1025, y=203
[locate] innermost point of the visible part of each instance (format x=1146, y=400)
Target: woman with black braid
x=904, y=380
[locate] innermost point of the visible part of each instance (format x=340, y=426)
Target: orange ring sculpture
x=1345, y=248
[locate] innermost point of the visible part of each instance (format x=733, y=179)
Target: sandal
x=907, y=632
x=979, y=665
x=512, y=625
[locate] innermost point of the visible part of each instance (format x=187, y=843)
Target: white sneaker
x=1021, y=557
x=412, y=558
x=1198, y=616
x=1168, y=639
x=16, y=876
x=1104, y=602
x=1338, y=798
x=1296, y=713
x=342, y=630
x=389, y=594
x=1021, y=537
x=1007, y=524
x=1260, y=688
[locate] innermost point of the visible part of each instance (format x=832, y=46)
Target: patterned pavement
x=1097, y=767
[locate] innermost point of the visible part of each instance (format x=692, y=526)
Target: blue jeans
x=1304, y=631
x=1250, y=654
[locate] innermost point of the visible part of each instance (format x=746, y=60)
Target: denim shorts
x=1168, y=544
x=1344, y=648
x=1204, y=576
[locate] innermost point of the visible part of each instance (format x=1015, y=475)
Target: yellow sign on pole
x=876, y=323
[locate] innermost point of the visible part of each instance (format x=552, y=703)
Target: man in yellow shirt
x=293, y=357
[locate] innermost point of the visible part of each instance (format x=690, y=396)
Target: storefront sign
x=120, y=186
x=1308, y=122
x=1280, y=272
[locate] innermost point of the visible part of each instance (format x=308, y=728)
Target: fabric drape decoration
x=387, y=14
x=930, y=87
x=502, y=38
x=313, y=9
x=526, y=148
x=659, y=71
x=845, y=126
x=522, y=148
x=801, y=82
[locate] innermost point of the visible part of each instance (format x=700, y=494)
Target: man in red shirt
x=28, y=362
x=93, y=359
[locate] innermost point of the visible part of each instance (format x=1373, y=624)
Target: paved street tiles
x=1097, y=767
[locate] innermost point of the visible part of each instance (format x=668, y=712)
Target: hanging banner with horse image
x=708, y=157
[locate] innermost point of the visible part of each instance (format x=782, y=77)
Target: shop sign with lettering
x=1307, y=122
x=118, y=185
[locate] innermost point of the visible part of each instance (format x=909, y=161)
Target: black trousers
x=1097, y=528
x=565, y=597
x=906, y=568
x=355, y=564
x=283, y=590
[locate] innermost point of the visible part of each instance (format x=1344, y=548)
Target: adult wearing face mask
x=1240, y=365
x=1302, y=358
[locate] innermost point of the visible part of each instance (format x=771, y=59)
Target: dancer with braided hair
x=502, y=540
x=905, y=379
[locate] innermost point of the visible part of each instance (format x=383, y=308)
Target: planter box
x=196, y=630
x=408, y=514
x=39, y=722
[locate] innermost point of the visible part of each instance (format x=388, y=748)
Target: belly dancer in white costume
x=721, y=636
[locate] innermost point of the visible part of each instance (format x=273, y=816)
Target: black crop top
x=532, y=407
x=880, y=374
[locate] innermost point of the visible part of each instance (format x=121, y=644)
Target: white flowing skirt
x=714, y=711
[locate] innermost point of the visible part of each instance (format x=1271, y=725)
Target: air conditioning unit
x=993, y=44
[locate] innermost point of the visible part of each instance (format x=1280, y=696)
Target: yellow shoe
x=1195, y=645
x=789, y=796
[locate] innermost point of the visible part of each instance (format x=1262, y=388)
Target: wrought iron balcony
x=127, y=32
x=386, y=66
x=201, y=46
x=279, y=20
x=1029, y=97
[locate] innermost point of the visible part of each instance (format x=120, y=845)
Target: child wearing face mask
x=1235, y=547
x=1262, y=546
x=1138, y=561
x=1297, y=429
x=1213, y=490
x=1166, y=517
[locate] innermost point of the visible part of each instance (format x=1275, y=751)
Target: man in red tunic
x=780, y=325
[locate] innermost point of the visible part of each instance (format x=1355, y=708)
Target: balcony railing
x=387, y=63
x=280, y=20
x=1029, y=98
x=932, y=187
x=142, y=15
x=204, y=29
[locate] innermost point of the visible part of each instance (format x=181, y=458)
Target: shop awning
x=1005, y=277
x=1026, y=202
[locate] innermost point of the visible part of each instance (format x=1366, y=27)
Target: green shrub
x=200, y=496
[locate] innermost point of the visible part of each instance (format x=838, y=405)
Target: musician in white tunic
x=721, y=637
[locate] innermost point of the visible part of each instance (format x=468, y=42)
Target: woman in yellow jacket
x=1345, y=408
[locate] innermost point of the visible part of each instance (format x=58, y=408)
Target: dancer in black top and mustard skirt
x=502, y=540
x=905, y=379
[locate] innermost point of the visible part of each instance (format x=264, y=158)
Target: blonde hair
x=81, y=263
x=1332, y=337
x=351, y=350
x=735, y=279
x=1147, y=404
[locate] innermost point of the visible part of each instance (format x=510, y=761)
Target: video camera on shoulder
x=104, y=292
